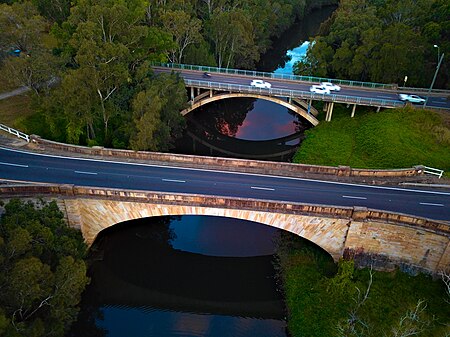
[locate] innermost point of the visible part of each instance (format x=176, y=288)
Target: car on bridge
x=320, y=89
x=260, y=84
x=330, y=86
x=412, y=98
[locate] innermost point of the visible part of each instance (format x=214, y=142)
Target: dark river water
x=183, y=276
x=201, y=275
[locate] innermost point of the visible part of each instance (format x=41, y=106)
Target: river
x=201, y=275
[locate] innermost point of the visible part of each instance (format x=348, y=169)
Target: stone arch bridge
x=384, y=239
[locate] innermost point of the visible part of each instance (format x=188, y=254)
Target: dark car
x=206, y=75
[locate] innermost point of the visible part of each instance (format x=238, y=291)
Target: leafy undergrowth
x=320, y=304
x=397, y=138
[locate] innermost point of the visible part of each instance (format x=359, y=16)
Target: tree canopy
x=42, y=270
x=85, y=60
x=382, y=41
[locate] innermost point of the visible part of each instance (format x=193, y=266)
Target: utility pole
x=434, y=79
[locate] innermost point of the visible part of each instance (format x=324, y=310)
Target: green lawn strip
x=396, y=138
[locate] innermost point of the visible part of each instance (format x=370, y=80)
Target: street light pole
x=436, y=46
x=434, y=78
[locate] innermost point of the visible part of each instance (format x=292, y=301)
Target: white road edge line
x=11, y=164
x=174, y=180
x=431, y=204
x=262, y=188
x=84, y=172
x=230, y=172
x=352, y=197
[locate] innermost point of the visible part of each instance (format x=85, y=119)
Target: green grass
x=14, y=111
x=397, y=138
x=318, y=302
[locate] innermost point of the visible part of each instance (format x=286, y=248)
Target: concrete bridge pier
x=329, y=111
x=353, y=110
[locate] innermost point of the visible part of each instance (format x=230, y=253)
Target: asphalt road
x=19, y=165
x=435, y=101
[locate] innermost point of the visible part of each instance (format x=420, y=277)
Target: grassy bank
x=396, y=138
x=14, y=111
x=322, y=303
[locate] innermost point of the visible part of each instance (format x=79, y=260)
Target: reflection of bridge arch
x=216, y=97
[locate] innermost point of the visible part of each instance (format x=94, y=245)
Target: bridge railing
x=433, y=171
x=15, y=132
x=274, y=75
x=295, y=94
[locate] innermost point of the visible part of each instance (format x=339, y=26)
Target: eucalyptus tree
x=23, y=29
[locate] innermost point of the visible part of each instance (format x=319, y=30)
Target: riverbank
x=388, y=139
x=327, y=300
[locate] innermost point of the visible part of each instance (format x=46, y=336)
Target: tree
x=43, y=273
x=157, y=121
x=184, y=29
x=232, y=36
x=22, y=28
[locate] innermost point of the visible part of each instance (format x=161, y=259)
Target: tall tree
x=184, y=29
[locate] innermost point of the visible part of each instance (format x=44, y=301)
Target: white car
x=412, y=98
x=319, y=89
x=261, y=84
x=331, y=86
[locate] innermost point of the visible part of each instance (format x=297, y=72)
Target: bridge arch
x=202, y=100
x=99, y=215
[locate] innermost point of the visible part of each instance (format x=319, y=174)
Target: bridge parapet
x=227, y=164
x=382, y=238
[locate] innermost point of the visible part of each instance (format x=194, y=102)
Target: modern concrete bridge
x=293, y=91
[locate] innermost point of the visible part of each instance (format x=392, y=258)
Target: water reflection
x=183, y=276
x=243, y=128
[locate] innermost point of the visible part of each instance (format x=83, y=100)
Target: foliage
x=381, y=303
x=42, y=270
x=396, y=138
x=382, y=41
x=22, y=28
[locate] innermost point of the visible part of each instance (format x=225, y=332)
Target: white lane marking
x=353, y=197
x=385, y=96
x=11, y=164
x=85, y=172
x=262, y=188
x=174, y=180
x=431, y=204
x=229, y=172
x=437, y=102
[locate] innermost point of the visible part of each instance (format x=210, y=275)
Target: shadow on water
x=136, y=269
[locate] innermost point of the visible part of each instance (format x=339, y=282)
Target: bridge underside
x=211, y=96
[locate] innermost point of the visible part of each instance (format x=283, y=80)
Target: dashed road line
x=353, y=197
x=262, y=188
x=11, y=164
x=174, y=180
x=431, y=204
x=85, y=172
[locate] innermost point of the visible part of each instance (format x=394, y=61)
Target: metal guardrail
x=433, y=171
x=296, y=94
x=276, y=76
x=296, y=78
x=15, y=132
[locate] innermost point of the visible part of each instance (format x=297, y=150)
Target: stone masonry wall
x=388, y=239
